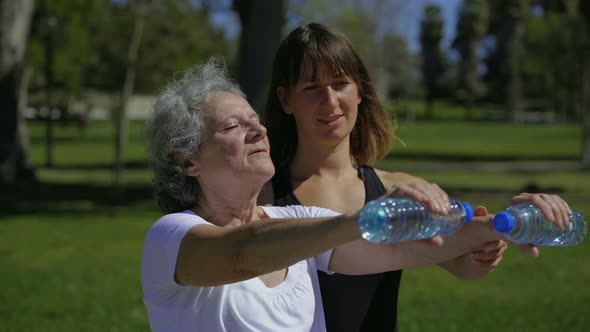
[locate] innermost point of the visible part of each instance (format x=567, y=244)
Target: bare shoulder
x=391, y=178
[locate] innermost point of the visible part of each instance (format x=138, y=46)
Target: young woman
x=326, y=126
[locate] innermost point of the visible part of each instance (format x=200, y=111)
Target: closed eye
x=230, y=127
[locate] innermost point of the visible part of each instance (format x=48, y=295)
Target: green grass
x=94, y=146
x=548, y=293
x=71, y=245
x=491, y=141
x=73, y=272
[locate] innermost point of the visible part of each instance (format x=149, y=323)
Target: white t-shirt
x=293, y=305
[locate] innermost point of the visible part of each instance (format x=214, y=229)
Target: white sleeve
x=161, y=246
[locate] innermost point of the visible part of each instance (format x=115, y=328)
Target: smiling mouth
x=330, y=119
x=257, y=151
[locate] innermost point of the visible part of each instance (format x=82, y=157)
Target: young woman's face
x=325, y=108
x=235, y=149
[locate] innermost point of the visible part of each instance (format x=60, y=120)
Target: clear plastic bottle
x=401, y=219
x=525, y=224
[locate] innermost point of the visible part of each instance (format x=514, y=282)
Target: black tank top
x=352, y=303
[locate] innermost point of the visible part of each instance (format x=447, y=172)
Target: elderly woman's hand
x=553, y=207
x=428, y=193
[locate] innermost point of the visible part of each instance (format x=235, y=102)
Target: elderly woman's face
x=235, y=149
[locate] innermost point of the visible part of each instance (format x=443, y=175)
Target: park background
x=491, y=98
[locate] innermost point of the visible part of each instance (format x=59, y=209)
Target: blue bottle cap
x=468, y=211
x=503, y=222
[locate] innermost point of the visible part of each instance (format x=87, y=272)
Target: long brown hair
x=311, y=45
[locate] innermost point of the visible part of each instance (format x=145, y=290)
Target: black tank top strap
x=374, y=187
x=283, y=192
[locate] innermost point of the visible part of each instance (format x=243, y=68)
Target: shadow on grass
x=529, y=188
x=129, y=165
x=445, y=156
x=84, y=199
x=78, y=198
x=74, y=139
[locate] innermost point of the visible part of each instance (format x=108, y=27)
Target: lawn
x=71, y=245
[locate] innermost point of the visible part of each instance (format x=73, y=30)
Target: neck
x=230, y=206
x=332, y=162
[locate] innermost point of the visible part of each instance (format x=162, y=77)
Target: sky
x=408, y=27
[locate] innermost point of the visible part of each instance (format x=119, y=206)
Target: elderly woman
x=219, y=262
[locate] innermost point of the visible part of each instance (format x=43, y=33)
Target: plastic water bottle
x=525, y=224
x=401, y=219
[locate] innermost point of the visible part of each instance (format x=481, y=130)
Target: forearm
x=362, y=257
x=263, y=246
x=278, y=243
x=470, y=237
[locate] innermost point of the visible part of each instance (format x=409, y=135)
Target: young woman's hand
x=428, y=193
x=553, y=207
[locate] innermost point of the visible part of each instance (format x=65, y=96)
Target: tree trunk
x=258, y=43
x=514, y=82
x=121, y=114
x=48, y=52
x=586, y=118
x=471, y=78
x=15, y=19
x=584, y=8
x=429, y=113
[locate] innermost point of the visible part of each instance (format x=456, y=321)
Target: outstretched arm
x=211, y=255
x=361, y=257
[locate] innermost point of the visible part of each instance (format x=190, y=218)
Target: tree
x=127, y=90
x=584, y=10
x=258, y=43
x=471, y=27
x=73, y=27
x=431, y=34
x=15, y=20
x=176, y=35
x=507, y=25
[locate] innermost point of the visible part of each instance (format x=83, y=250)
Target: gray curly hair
x=177, y=128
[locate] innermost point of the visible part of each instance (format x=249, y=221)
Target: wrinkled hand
x=491, y=253
x=490, y=256
x=428, y=193
x=553, y=207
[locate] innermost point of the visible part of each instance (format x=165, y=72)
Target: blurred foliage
x=66, y=29
x=556, y=47
x=512, y=53
x=503, y=75
x=433, y=61
x=472, y=26
x=90, y=41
